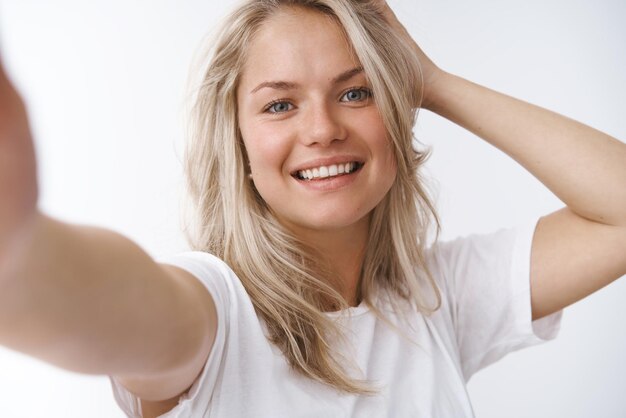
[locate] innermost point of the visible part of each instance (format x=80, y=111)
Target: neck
x=343, y=250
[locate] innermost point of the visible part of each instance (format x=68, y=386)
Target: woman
x=299, y=171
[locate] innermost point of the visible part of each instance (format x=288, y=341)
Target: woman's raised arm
x=88, y=299
x=576, y=250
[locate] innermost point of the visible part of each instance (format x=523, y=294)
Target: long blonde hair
x=282, y=275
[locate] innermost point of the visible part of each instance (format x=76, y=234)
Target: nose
x=322, y=126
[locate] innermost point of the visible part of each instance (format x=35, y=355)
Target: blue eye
x=356, y=95
x=279, y=107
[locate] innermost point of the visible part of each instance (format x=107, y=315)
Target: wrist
x=436, y=90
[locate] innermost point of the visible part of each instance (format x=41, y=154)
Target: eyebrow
x=288, y=85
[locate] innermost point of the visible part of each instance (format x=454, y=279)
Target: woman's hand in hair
x=431, y=74
x=18, y=176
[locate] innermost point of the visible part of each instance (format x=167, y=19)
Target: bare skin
x=578, y=249
x=18, y=176
x=316, y=122
x=57, y=279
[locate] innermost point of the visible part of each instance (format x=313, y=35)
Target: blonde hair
x=281, y=274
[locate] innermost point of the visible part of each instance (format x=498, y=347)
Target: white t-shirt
x=485, y=314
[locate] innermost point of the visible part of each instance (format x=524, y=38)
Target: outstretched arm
x=576, y=250
x=87, y=299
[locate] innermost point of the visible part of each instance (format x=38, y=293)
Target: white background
x=105, y=83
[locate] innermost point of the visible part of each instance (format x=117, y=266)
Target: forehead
x=297, y=43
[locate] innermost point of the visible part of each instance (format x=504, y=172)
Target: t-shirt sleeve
x=214, y=274
x=486, y=287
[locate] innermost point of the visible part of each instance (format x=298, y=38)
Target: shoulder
x=499, y=248
x=195, y=300
x=209, y=270
x=201, y=264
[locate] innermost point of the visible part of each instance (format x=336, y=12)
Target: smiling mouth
x=328, y=171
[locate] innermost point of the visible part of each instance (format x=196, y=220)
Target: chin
x=328, y=223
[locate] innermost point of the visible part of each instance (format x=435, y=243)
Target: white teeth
x=327, y=171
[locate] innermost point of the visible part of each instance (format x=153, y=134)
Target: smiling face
x=316, y=143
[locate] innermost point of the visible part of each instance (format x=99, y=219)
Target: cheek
x=266, y=148
x=266, y=158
